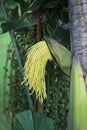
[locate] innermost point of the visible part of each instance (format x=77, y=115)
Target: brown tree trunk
x=39, y=37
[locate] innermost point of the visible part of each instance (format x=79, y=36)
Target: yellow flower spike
x=37, y=57
x=34, y=69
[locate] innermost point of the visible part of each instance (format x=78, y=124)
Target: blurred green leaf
x=10, y=4
x=51, y=4
x=41, y=122
x=23, y=6
x=24, y=121
x=1, y=16
x=32, y=121
x=16, y=22
x=20, y=24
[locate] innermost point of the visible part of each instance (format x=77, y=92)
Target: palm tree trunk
x=78, y=30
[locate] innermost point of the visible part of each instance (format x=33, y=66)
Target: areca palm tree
x=78, y=93
x=78, y=33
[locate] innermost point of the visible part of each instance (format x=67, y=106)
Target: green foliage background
x=4, y=41
x=17, y=18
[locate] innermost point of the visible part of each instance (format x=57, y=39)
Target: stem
x=39, y=26
x=39, y=37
